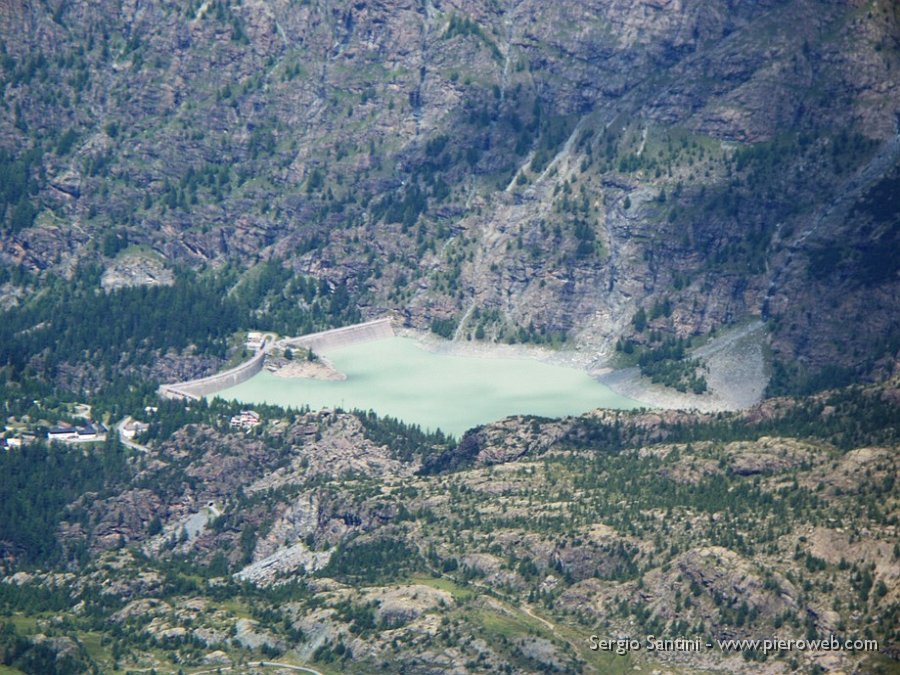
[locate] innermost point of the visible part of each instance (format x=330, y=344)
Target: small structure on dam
x=329, y=339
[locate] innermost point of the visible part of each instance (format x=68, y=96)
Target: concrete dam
x=342, y=337
x=197, y=389
x=329, y=339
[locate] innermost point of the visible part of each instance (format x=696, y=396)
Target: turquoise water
x=397, y=377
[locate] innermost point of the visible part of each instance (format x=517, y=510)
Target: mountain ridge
x=190, y=141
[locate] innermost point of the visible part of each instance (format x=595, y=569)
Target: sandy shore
x=322, y=369
x=487, y=350
x=629, y=382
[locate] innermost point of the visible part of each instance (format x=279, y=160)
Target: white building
x=131, y=428
x=255, y=341
x=246, y=420
x=90, y=432
x=62, y=434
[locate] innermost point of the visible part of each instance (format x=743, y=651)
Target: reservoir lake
x=398, y=377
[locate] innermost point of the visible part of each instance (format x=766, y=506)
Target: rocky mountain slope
x=353, y=544
x=676, y=186
x=510, y=170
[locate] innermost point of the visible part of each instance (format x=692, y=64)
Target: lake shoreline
x=732, y=387
x=424, y=379
x=320, y=369
x=435, y=385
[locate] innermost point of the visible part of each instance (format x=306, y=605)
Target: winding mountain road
x=262, y=664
